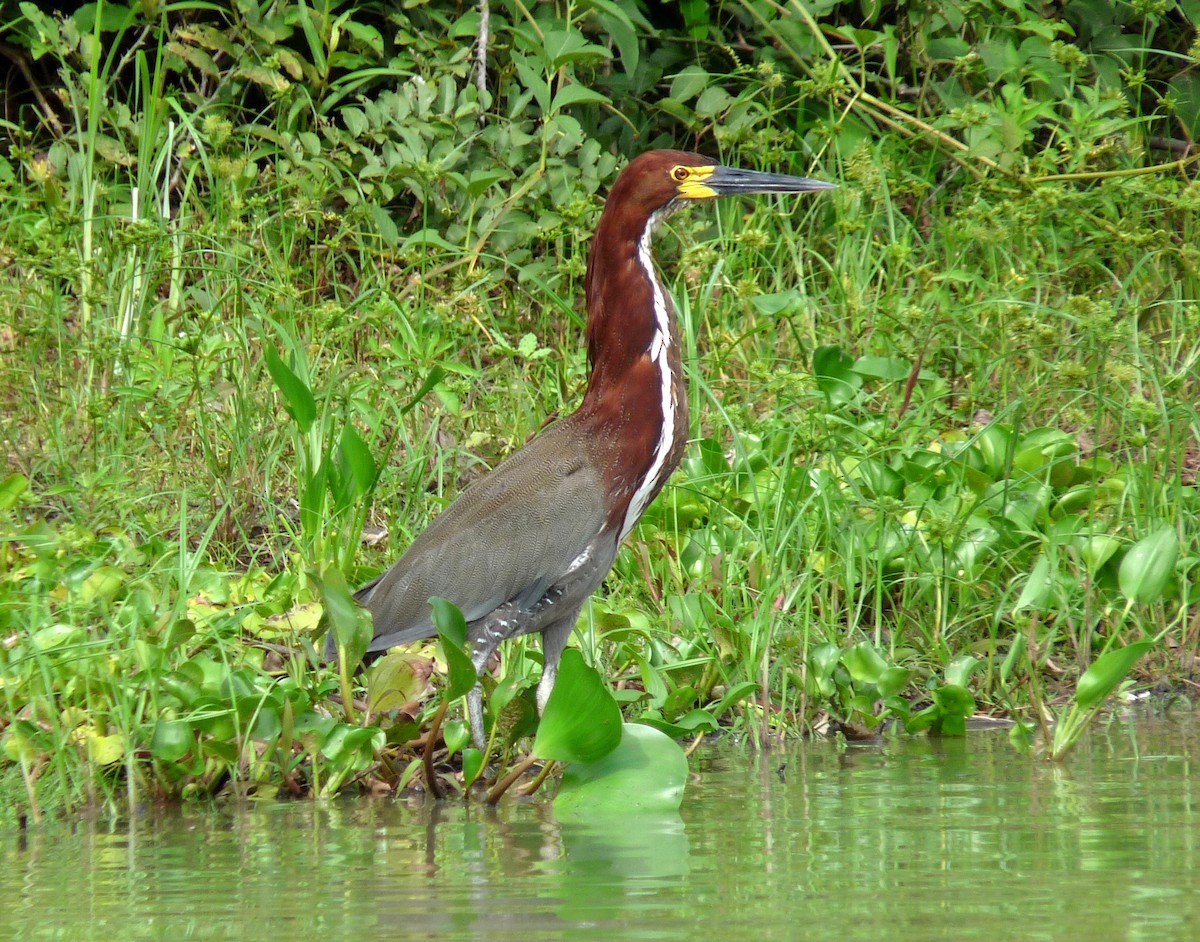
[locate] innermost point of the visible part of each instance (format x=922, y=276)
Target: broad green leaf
x=1149, y=565
x=472, y=762
x=775, y=304
x=392, y=682
x=824, y=658
x=959, y=671
x=452, y=630
x=864, y=663
x=104, y=750
x=689, y=83
x=582, y=722
x=995, y=446
x=885, y=368
x=577, y=95
x=56, y=636
x=1097, y=550
x=1108, y=670
x=350, y=624
x=954, y=700
x=644, y=772
x=172, y=740
x=892, y=681
x=297, y=397
x=11, y=488
x=456, y=734
x=833, y=369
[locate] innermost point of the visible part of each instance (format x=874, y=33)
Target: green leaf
x=452, y=630
x=472, y=762
x=689, y=83
x=172, y=740
x=297, y=397
x=1036, y=593
x=885, y=368
x=350, y=624
x=582, y=722
x=392, y=682
x=11, y=488
x=456, y=734
x=1015, y=656
x=864, y=663
x=959, y=671
x=577, y=95
x=833, y=369
x=1108, y=670
x=356, y=466
x=892, y=681
x=644, y=772
x=735, y=694
x=954, y=700
x=1149, y=565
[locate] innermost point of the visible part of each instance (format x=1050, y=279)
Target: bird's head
x=660, y=181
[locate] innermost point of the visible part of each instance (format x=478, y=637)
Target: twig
x=539, y=780
x=19, y=59
x=505, y=783
x=1129, y=172
x=427, y=758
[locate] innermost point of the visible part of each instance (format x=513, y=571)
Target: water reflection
x=937, y=839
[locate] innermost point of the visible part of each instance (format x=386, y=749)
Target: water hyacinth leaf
x=1149, y=565
x=954, y=700
x=1108, y=670
x=1097, y=550
x=833, y=369
x=959, y=671
x=171, y=740
x=886, y=368
x=298, y=399
x=644, y=772
x=582, y=722
x=864, y=663
x=104, y=750
x=892, y=681
x=452, y=630
x=393, y=682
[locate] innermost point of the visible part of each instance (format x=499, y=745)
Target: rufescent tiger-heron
x=523, y=547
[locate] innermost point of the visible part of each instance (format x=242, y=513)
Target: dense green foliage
x=271, y=273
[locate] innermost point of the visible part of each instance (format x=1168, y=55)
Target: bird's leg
x=483, y=653
x=554, y=640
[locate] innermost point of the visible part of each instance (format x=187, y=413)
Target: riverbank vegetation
x=278, y=280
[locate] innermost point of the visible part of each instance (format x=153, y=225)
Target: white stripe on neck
x=660, y=344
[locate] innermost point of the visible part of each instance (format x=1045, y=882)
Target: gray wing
x=506, y=539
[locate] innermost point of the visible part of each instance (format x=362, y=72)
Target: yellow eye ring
x=680, y=174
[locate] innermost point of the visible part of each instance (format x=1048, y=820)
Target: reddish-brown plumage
x=622, y=408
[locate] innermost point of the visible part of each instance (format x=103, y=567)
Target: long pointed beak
x=729, y=181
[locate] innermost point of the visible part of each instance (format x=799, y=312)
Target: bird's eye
x=680, y=174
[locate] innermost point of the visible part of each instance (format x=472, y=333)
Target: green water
x=915, y=839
